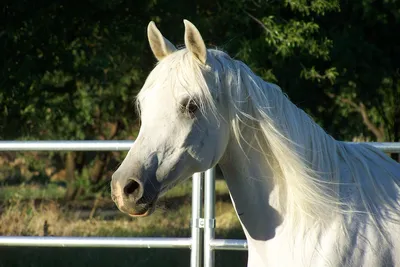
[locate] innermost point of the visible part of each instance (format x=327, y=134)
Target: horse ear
x=194, y=42
x=160, y=46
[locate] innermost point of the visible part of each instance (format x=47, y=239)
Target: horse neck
x=306, y=137
x=318, y=150
x=274, y=114
x=255, y=194
x=258, y=192
x=284, y=123
x=275, y=156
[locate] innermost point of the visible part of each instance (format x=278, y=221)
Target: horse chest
x=361, y=245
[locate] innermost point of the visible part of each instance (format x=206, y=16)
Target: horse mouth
x=143, y=211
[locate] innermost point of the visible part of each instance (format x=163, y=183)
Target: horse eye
x=190, y=107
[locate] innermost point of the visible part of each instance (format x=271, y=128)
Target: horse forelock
x=182, y=74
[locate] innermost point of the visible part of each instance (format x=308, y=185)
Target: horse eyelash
x=189, y=107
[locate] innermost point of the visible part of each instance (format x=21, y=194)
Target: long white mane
x=306, y=160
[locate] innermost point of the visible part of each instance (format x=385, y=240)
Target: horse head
x=183, y=123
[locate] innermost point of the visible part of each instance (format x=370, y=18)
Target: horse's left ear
x=160, y=46
x=194, y=42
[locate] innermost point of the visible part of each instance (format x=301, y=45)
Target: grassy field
x=23, y=214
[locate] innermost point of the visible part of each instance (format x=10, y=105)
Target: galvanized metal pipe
x=109, y=242
x=384, y=146
x=209, y=217
x=195, y=256
x=228, y=244
x=118, y=145
x=89, y=145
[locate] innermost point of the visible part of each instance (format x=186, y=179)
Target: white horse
x=303, y=198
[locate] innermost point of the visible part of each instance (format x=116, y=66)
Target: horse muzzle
x=134, y=197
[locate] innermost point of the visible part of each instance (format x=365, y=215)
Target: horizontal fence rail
x=118, y=145
x=228, y=244
x=384, y=146
x=87, y=145
x=107, y=242
x=197, y=223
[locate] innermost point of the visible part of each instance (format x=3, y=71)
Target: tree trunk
x=102, y=158
x=70, y=176
x=98, y=168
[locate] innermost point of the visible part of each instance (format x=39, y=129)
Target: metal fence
x=202, y=242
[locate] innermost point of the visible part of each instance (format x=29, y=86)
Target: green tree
x=70, y=75
x=336, y=59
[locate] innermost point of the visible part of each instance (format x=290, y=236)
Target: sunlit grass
x=21, y=216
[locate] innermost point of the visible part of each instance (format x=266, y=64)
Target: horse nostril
x=132, y=189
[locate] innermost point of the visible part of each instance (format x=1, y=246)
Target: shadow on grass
x=107, y=257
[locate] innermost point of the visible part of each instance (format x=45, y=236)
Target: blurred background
x=70, y=70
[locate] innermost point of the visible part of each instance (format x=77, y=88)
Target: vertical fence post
x=209, y=217
x=195, y=255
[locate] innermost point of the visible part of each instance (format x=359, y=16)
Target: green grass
x=27, y=192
